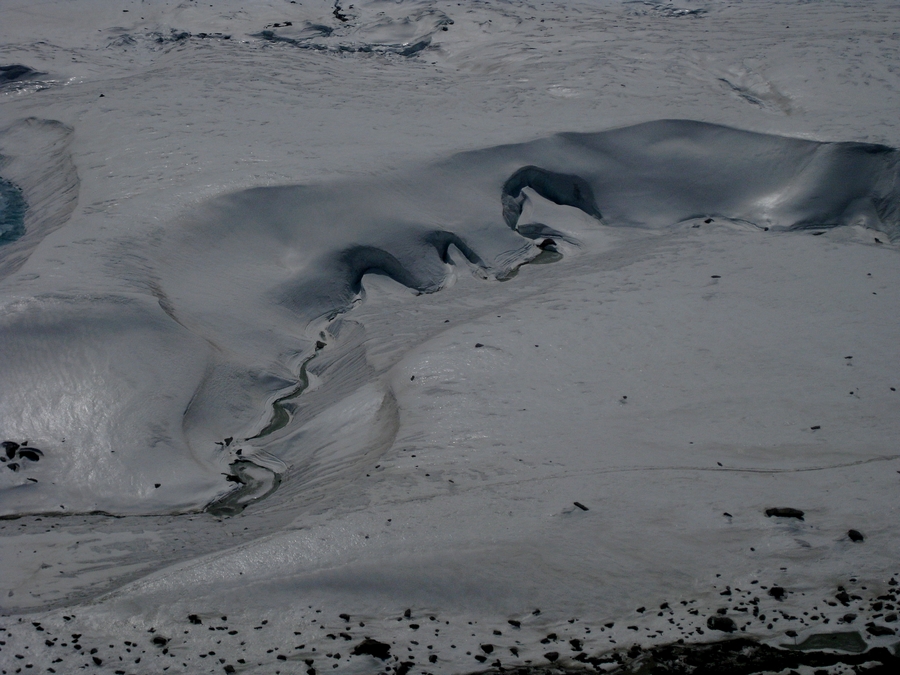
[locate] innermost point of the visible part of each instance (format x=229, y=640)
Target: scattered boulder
x=879, y=631
x=777, y=592
x=855, y=535
x=10, y=448
x=551, y=656
x=784, y=512
x=721, y=623
x=370, y=647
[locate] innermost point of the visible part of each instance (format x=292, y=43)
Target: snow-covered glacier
x=429, y=337
x=142, y=397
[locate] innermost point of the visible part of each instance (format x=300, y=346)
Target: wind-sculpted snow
x=150, y=400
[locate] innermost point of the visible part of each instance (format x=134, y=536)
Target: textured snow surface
x=448, y=308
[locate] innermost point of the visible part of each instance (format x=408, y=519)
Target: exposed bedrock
x=250, y=279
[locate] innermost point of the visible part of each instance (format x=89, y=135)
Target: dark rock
x=784, y=512
x=478, y=345
x=193, y=618
x=32, y=454
x=481, y=658
x=722, y=623
x=370, y=647
x=432, y=658
x=320, y=345
x=12, y=466
x=848, y=618
x=580, y=506
x=160, y=641
x=878, y=631
x=551, y=656
x=855, y=535
x=843, y=597
x=777, y=592
x=576, y=644
x=514, y=623
x=97, y=660
x=10, y=447
x=404, y=668
x=345, y=617
x=229, y=668
x=487, y=648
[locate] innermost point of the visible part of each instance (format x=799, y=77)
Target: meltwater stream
x=131, y=393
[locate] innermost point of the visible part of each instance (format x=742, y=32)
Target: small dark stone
x=370, y=647
x=551, y=656
x=478, y=345
x=281, y=657
x=97, y=660
x=193, y=618
x=722, y=623
x=715, y=276
x=855, y=535
x=10, y=447
x=581, y=506
x=784, y=512
x=708, y=221
x=320, y=344
x=576, y=644
x=777, y=592
x=514, y=623
x=32, y=454
x=407, y=614
x=432, y=658
x=403, y=668
x=345, y=617
x=844, y=598
x=790, y=633
x=229, y=668
x=487, y=649
x=160, y=641
x=848, y=618
x=12, y=466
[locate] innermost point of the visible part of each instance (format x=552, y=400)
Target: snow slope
x=257, y=269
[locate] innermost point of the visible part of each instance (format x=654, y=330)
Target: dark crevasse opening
x=12, y=212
